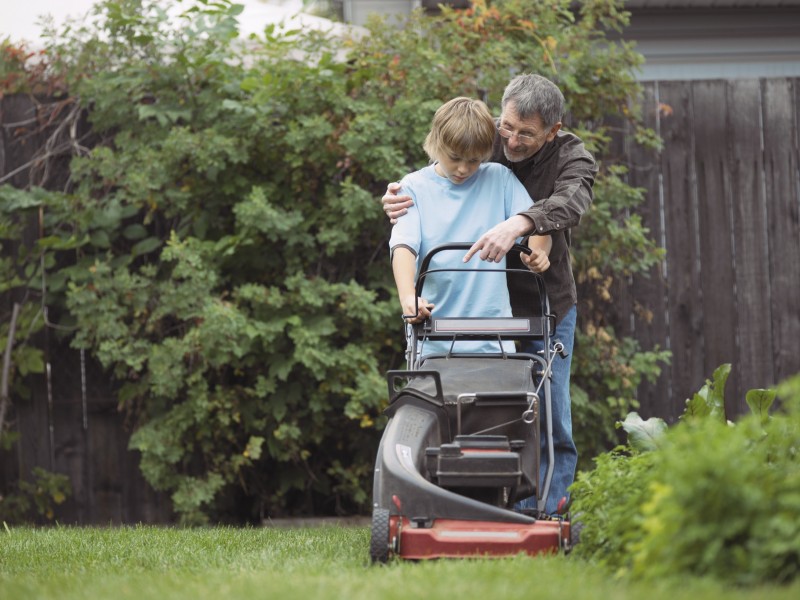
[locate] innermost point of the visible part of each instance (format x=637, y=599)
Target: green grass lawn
x=303, y=563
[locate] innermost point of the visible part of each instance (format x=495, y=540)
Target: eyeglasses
x=521, y=137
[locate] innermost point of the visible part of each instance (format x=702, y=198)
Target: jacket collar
x=529, y=163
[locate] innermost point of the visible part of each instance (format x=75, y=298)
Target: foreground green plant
x=705, y=497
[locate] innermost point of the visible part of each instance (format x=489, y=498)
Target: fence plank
x=685, y=315
x=750, y=246
x=781, y=118
x=716, y=278
x=647, y=293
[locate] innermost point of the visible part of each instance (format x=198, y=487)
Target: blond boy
x=456, y=198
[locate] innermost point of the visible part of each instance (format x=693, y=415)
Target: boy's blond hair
x=463, y=127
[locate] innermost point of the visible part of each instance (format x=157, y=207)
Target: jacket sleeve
x=572, y=191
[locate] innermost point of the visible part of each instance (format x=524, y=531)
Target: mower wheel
x=379, y=542
x=575, y=529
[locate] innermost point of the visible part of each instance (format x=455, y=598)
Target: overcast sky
x=18, y=18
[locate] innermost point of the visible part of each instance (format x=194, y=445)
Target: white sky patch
x=20, y=20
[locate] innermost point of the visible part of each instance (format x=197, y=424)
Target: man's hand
x=393, y=205
x=495, y=243
x=537, y=261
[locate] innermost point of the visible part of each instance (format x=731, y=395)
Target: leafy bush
x=35, y=499
x=725, y=502
x=220, y=249
x=607, y=504
x=710, y=499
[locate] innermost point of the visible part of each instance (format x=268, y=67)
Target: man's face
x=522, y=138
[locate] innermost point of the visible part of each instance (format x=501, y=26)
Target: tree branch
x=4, y=399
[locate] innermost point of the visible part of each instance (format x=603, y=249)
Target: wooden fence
x=723, y=198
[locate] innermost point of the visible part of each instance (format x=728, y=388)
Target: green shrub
x=36, y=498
x=607, y=502
x=710, y=499
x=724, y=501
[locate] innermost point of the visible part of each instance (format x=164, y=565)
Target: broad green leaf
x=760, y=402
x=717, y=396
x=145, y=246
x=13, y=199
x=128, y=211
x=643, y=435
x=100, y=239
x=709, y=401
x=134, y=232
x=29, y=360
x=109, y=217
x=56, y=281
x=248, y=84
x=55, y=242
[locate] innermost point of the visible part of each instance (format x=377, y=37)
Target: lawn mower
x=463, y=442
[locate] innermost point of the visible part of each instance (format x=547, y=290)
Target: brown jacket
x=559, y=178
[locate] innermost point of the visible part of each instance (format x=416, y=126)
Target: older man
x=558, y=172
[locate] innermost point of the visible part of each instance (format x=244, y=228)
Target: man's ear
x=551, y=135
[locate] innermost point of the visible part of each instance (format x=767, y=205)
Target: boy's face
x=457, y=168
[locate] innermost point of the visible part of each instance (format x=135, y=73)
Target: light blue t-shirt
x=444, y=212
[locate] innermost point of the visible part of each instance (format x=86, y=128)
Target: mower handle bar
x=424, y=272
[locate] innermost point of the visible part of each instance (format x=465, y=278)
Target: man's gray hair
x=535, y=95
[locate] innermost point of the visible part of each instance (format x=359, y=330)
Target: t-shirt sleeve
x=407, y=232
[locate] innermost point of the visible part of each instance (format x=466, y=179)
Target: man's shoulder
x=568, y=135
x=570, y=144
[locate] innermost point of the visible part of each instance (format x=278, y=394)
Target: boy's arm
x=404, y=267
x=539, y=259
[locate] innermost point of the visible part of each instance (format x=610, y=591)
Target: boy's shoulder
x=420, y=181
x=419, y=175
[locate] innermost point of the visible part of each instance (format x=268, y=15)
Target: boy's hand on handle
x=395, y=206
x=537, y=261
x=495, y=243
x=410, y=307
